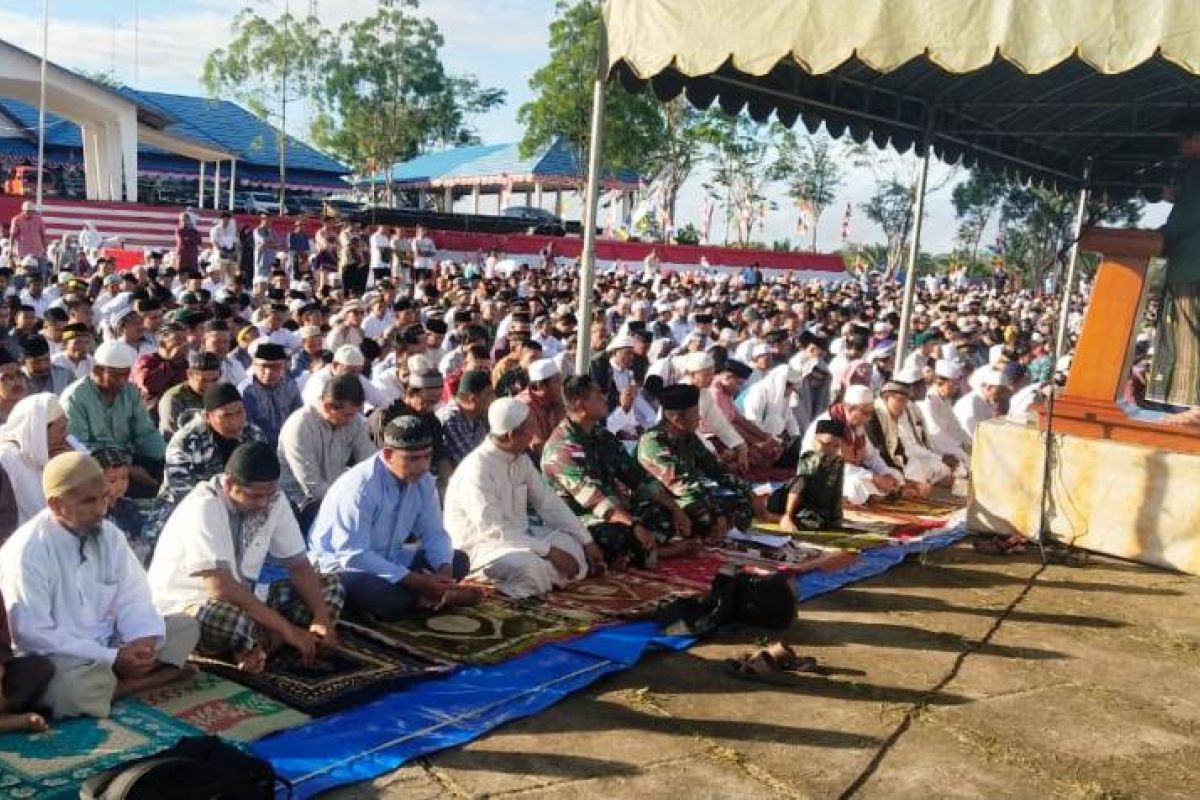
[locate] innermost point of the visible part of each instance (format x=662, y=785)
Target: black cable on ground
x=945, y=681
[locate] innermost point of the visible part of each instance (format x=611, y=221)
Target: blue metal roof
x=216, y=123
x=232, y=128
x=557, y=160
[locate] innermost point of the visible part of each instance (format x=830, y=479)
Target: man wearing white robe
x=487, y=502
x=980, y=404
x=866, y=473
x=699, y=370
x=769, y=402
x=76, y=593
x=945, y=432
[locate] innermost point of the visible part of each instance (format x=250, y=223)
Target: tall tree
x=891, y=208
x=267, y=65
x=976, y=200
x=1037, y=226
x=675, y=157
x=811, y=169
x=562, y=106
x=737, y=150
x=378, y=85
x=387, y=96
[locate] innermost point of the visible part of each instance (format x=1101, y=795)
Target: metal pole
x=1064, y=313
x=591, y=198
x=217, y=186
x=914, y=248
x=41, y=162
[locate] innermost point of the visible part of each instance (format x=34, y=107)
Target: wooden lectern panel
x=1099, y=370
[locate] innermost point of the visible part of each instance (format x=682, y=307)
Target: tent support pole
x=1060, y=340
x=1064, y=313
x=587, y=262
x=914, y=248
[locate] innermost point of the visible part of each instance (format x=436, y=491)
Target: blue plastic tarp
x=370, y=740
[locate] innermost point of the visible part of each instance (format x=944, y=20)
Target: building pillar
x=200, y=184
x=528, y=197
x=127, y=128
x=558, y=204
x=91, y=161
x=475, y=199
x=537, y=195
x=448, y=200
x=114, y=158
x=422, y=201
x=232, y=183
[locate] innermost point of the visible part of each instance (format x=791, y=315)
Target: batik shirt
x=685, y=466
x=593, y=472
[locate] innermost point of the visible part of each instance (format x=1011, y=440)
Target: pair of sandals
x=1002, y=546
x=769, y=664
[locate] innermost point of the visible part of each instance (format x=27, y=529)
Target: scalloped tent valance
x=1034, y=88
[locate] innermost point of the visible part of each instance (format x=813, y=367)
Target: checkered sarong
x=226, y=629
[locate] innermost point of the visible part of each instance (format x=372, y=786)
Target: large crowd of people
x=225, y=448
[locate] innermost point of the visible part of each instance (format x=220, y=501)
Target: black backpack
x=196, y=768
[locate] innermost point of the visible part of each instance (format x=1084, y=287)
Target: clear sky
x=500, y=41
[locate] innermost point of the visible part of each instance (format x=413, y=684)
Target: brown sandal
x=774, y=658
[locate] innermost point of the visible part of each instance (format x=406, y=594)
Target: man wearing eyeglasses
x=209, y=559
x=380, y=528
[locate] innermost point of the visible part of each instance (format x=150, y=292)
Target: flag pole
x=41, y=158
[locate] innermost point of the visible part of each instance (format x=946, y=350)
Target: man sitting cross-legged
x=630, y=515
x=210, y=555
x=368, y=518
x=75, y=592
x=487, y=513
x=713, y=498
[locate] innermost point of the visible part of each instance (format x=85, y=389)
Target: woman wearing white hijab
x=35, y=432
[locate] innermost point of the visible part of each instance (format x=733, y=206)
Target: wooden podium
x=1101, y=365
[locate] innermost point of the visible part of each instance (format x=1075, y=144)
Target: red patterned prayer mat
x=624, y=595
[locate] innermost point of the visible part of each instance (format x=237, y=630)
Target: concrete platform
x=966, y=676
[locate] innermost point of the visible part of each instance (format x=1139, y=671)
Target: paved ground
x=965, y=676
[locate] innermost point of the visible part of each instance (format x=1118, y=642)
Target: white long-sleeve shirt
x=857, y=480
x=972, y=409
x=314, y=385
x=946, y=434
x=487, y=502
x=713, y=420
x=768, y=404
x=62, y=603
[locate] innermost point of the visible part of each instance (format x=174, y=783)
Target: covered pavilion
x=498, y=170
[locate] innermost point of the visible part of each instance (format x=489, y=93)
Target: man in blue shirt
x=380, y=528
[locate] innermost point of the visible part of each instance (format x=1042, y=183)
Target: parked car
x=341, y=208
x=262, y=203
x=540, y=220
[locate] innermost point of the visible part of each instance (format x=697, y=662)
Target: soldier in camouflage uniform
x=813, y=499
x=713, y=499
x=629, y=514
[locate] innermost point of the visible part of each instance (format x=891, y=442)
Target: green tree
x=1037, y=225
x=810, y=167
x=267, y=65
x=976, y=200
x=562, y=107
x=891, y=208
x=737, y=152
x=387, y=96
x=673, y=160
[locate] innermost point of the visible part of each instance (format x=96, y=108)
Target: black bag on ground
x=739, y=597
x=196, y=768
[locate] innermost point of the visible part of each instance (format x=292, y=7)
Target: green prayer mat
x=491, y=632
x=52, y=765
x=835, y=538
x=223, y=708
